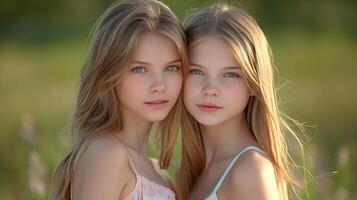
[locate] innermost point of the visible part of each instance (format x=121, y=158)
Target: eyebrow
x=232, y=67
x=146, y=63
x=224, y=68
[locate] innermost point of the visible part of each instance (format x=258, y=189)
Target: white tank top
x=213, y=195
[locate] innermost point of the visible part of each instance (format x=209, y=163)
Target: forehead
x=152, y=46
x=212, y=52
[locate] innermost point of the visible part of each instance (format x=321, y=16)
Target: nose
x=210, y=90
x=158, y=85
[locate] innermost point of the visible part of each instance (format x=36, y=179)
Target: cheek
x=131, y=87
x=174, y=84
x=191, y=90
x=237, y=95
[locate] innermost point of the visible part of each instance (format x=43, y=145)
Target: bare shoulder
x=105, y=150
x=253, y=177
x=102, y=169
x=162, y=172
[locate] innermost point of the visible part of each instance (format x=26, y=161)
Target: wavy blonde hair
x=97, y=110
x=251, y=49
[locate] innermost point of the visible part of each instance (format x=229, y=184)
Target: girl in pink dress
x=131, y=79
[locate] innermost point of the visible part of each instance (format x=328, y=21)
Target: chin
x=208, y=121
x=155, y=117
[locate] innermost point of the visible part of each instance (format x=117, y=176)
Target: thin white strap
x=248, y=148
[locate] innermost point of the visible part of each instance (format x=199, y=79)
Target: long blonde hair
x=251, y=49
x=97, y=110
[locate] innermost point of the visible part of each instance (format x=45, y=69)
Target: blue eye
x=231, y=75
x=138, y=69
x=172, y=68
x=196, y=71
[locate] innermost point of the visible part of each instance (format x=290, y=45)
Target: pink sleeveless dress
x=146, y=189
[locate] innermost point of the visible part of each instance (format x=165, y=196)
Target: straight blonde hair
x=97, y=109
x=250, y=47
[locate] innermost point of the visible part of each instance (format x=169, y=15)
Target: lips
x=209, y=107
x=157, y=103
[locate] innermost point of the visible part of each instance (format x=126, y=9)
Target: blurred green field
x=316, y=75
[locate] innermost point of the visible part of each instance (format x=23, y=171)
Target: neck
x=225, y=139
x=135, y=132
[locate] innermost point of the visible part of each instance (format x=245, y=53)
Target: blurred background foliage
x=43, y=44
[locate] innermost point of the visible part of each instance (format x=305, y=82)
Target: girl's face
x=152, y=83
x=214, y=90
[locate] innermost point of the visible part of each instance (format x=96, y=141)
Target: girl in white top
x=132, y=78
x=233, y=141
